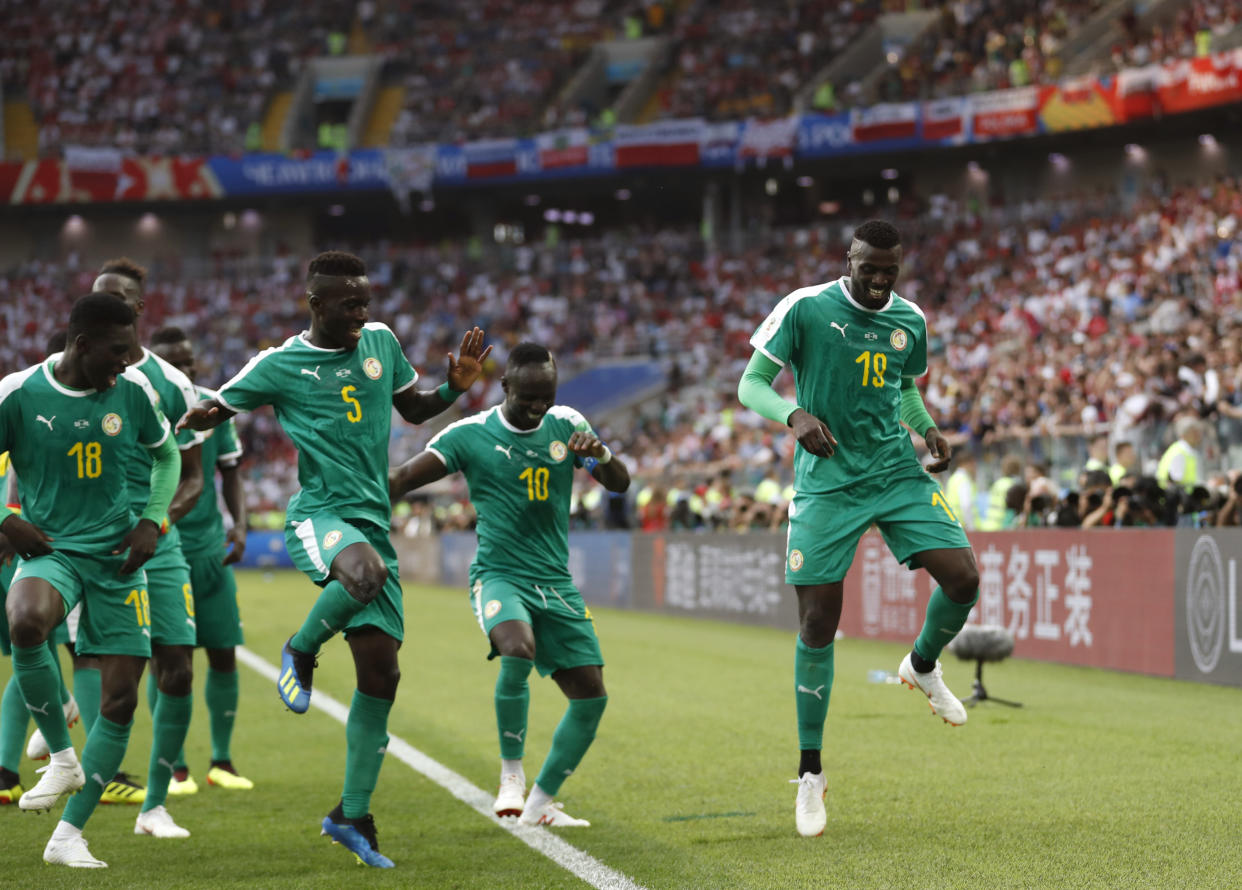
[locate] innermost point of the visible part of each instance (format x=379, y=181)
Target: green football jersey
x=848, y=363
x=336, y=406
x=202, y=529
x=520, y=484
x=72, y=448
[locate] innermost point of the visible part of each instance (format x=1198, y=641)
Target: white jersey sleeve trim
x=436, y=452
x=13, y=382
x=769, y=355
x=776, y=317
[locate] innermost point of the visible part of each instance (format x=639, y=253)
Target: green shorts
x=563, y=627
x=908, y=508
x=314, y=542
x=215, y=600
x=172, y=595
x=116, y=611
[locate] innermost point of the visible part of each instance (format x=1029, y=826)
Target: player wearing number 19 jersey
x=519, y=460
x=333, y=389
x=72, y=425
x=855, y=348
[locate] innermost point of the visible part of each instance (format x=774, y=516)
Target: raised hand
x=203, y=416
x=585, y=445
x=465, y=370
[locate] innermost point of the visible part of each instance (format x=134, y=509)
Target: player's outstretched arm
x=608, y=471
x=420, y=470
x=418, y=406
x=207, y=414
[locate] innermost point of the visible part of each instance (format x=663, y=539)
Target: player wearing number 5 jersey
x=519, y=460
x=71, y=426
x=855, y=348
x=333, y=389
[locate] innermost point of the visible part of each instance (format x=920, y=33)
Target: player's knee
x=382, y=681
x=118, y=705
x=964, y=586
x=367, y=583
x=223, y=661
x=175, y=676
x=29, y=625
x=518, y=649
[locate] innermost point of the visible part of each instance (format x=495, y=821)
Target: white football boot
x=944, y=703
x=809, y=812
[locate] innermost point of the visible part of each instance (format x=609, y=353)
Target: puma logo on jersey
x=43, y=419
x=163, y=762
x=95, y=777
x=42, y=709
x=505, y=451
x=314, y=373
x=839, y=327
x=814, y=692
x=514, y=735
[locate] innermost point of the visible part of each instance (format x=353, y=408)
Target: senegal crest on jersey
x=898, y=339
x=111, y=424
x=373, y=368
x=558, y=451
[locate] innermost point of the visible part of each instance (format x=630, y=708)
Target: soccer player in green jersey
x=173, y=630
x=519, y=460
x=333, y=389
x=207, y=549
x=71, y=425
x=855, y=349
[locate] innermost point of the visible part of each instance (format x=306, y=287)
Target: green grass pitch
x=1101, y=780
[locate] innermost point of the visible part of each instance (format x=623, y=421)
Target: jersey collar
x=844, y=281
x=511, y=428
x=49, y=367
x=304, y=339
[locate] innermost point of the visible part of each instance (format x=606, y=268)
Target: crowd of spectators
x=155, y=76
x=1193, y=31
x=1049, y=323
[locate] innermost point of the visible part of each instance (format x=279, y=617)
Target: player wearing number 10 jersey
x=333, y=389
x=72, y=425
x=855, y=348
x=519, y=460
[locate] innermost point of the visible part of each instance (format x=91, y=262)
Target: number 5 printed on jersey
x=355, y=412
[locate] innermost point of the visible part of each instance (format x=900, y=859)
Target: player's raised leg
x=584, y=687
x=366, y=736
x=947, y=610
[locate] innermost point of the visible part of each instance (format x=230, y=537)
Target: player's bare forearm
x=207, y=414
x=235, y=503
x=189, y=486
x=420, y=470
x=419, y=406
x=614, y=475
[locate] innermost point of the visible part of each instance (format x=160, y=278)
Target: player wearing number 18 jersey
x=855, y=348
x=519, y=460
x=72, y=425
x=333, y=389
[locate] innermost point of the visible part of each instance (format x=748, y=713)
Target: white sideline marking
x=566, y=855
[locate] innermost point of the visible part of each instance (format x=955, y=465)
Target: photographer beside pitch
x=855, y=348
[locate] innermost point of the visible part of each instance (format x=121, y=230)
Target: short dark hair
x=878, y=233
x=94, y=311
x=336, y=262
x=169, y=334
x=56, y=342
x=528, y=353
x=123, y=265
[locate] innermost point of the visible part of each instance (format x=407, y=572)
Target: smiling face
x=103, y=355
x=340, y=306
x=530, y=390
x=873, y=273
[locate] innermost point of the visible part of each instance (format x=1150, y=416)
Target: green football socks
x=221, y=694
x=330, y=614
x=60, y=672
x=570, y=742
x=40, y=683
x=87, y=689
x=170, y=723
x=813, y=669
x=944, y=619
x=101, y=758
x=512, y=704
x=13, y=723
x=366, y=742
